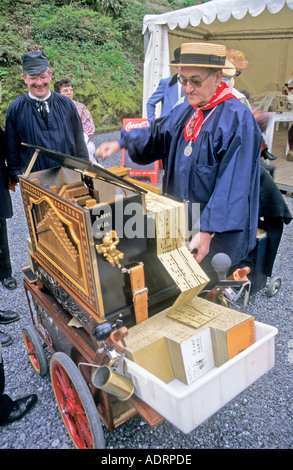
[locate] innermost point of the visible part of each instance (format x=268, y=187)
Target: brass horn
x=105, y=378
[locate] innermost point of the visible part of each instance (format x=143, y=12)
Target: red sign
x=151, y=169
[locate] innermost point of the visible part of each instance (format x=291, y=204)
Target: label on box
x=197, y=355
x=192, y=358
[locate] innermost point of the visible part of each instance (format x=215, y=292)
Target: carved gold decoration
x=61, y=244
x=108, y=249
x=52, y=238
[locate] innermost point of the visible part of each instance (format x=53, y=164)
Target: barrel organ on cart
x=95, y=243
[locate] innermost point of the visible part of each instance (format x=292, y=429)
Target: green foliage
x=130, y=22
x=72, y=23
x=190, y=3
x=106, y=7
x=12, y=87
x=80, y=43
x=98, y=44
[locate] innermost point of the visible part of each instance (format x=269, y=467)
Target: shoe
x=267, y=155
x=21, y=407
x=5, y=339
x=9, y=283
x=8, y=316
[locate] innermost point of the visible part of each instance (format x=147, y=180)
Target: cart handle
x=118, y=335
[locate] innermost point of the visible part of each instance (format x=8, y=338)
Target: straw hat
x=203, y=54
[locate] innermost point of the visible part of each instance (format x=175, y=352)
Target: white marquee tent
x=263, y=29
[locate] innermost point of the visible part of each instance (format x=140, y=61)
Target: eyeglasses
x=194, y=80
x=67, y=90
x=35, y=78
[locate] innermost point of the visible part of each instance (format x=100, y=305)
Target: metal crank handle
x=117, y=339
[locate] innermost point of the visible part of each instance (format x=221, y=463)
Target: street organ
x=113, y=292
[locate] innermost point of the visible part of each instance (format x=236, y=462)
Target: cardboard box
x=168, y=349
x=153, y=357
x=187, y=407
x=193, y=357
x=161, y=345
x=231, y=331
x=192, y=336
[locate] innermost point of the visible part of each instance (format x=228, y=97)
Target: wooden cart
x=76, y=288
x=87, y=286
x=82, y=406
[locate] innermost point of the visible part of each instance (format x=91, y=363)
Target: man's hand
x=107, y=149
x=12, y=185
x=200, y=242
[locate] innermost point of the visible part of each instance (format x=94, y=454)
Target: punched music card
x=170, y=222
x=186, y=273
x=195, y=313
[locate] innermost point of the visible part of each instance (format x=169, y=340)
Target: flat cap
x=34, y=62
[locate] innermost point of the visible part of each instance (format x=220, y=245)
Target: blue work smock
x=221, y=174
x=24, y=124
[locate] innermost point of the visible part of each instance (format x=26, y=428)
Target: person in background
x=289, y=85
x=290, y=142
x=6, y=212
x=169, y=93
x=229, y=78
x=64, y=86
x=212, y=147
x=42, y=118
x=12, y=410
x=238, y=59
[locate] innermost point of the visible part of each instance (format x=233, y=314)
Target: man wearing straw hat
x=212, y=146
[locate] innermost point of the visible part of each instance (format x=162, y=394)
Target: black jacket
x=5, y=200
x=273, y=213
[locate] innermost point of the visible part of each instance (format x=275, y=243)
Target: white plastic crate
x=187, y=406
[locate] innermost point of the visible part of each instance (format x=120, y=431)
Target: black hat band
x=205, y=59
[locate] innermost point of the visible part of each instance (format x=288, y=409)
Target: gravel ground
x=261, y=417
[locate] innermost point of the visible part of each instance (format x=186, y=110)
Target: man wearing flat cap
x=41, y=117
x=212, y=147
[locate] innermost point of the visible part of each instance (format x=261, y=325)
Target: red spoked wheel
x=76, y=404
x=35, y=350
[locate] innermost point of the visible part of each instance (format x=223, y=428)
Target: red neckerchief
x=194, y=124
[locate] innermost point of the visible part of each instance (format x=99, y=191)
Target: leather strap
x=139, y=292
